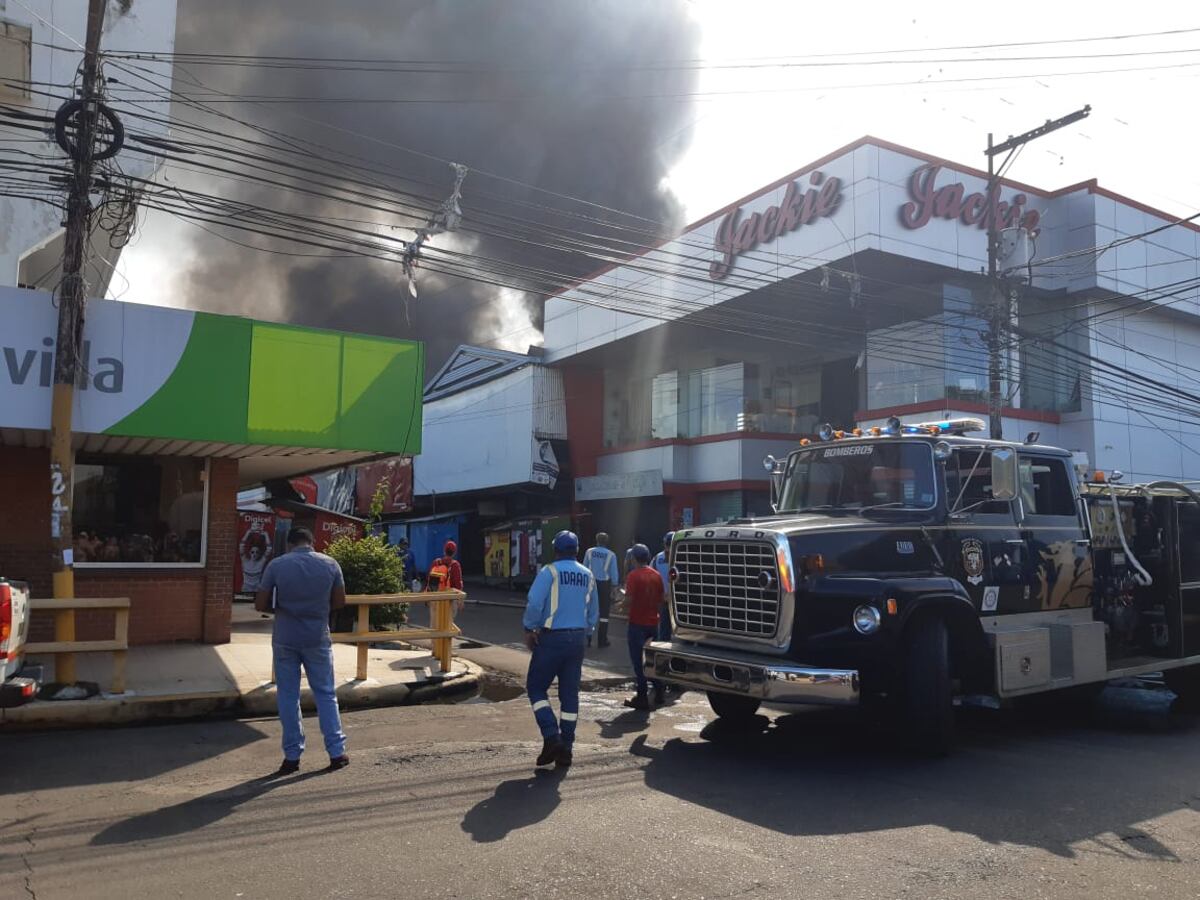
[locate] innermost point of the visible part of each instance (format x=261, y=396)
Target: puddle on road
x=496, y=688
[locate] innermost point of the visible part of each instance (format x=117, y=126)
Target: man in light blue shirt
x=603, y=565
x=306, y=586
x=560, y=614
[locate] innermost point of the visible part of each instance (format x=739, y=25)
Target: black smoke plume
x=577, y=102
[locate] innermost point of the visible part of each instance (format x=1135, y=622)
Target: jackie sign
x=799, y=207
x=951, y=201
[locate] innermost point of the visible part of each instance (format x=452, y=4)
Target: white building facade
x=850, y=291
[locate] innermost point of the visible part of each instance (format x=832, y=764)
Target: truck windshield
x=860, y=476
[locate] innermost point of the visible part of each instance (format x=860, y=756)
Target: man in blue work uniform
x=561, y=613
x=602, y=563
x=662, y=563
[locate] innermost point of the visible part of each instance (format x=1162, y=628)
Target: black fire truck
x=922, y=564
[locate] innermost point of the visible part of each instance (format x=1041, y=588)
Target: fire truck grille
x=729, y=587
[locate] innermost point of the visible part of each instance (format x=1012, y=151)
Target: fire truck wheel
x=928, y=703
x=1185, y=682
x=732, y=708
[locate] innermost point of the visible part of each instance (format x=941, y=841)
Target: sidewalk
x=177, y=681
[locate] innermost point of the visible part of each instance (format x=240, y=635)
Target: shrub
x=371, y=566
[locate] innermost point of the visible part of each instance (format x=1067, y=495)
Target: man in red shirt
x=644, y=588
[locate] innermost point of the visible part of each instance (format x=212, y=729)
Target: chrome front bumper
x=772, y=680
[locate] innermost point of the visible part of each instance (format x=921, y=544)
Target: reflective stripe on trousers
x=558, y=655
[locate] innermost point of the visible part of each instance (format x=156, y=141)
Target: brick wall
x=167, y=604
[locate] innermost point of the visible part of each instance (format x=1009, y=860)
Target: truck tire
x=1185, y=682
x=732, y=708
x=927, y=707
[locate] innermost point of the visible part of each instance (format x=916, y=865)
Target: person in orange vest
x=445, y=573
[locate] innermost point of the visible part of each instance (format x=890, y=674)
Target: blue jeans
x=318, y=668
x=558, y=654
x=638, y=636
x=664, y=623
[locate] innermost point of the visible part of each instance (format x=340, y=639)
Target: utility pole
x=71, y=299
x=998, y=307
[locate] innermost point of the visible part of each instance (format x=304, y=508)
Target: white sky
x=1140, y=139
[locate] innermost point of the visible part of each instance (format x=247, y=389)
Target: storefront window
x=933, y=358
x=133, y=510
x=714, y=400
x=1051, y=375
x=664, y=406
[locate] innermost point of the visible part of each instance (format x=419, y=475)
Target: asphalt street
x=443, y=801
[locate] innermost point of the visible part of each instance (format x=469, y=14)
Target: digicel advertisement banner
x=172, y=373
x=256, y=544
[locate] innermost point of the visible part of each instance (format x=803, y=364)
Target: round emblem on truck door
x=766, y=580
x=973, y=562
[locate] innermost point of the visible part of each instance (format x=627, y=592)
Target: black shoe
x=288, y=767
x=550, y=751
x=562, y=756
x=638, y=701
x=660, y=695
x=338, y=762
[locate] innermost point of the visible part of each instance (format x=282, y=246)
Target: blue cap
x=641, y=553
x=566, y=542
x=667, y=538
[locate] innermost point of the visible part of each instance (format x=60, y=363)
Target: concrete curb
x=111, y=710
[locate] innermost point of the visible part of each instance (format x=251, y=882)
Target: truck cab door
x=1058, y=565
x=984, y=548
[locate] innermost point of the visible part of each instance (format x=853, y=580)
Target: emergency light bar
x=948, y=426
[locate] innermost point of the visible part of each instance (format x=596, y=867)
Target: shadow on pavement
x=195, y=813
x=162, y=747
x=516, y=803
x=628, y=722
x=1040, y=781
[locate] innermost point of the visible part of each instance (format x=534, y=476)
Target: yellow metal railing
x=118, y=646
x=440, y=632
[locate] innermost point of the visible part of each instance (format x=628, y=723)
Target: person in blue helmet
x=662, y=562
x=560, y=615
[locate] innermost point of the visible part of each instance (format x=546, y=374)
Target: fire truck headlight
x=867, y=619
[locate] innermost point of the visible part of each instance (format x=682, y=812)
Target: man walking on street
x=602, y=563
x=644, y=589
x=560, y=615
x=306, y=585
x=662, y=563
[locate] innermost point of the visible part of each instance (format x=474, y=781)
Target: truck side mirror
x=1004, y=474
x=774, y=468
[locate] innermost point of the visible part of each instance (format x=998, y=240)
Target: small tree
x=371, y=566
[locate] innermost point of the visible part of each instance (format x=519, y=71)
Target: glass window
x=1046, y=487
x=139, y=510
x=664, y=403
x=1051, y=374
x=860, y=476
x=904, y=364
x=933, y=358
x=969, y=483
x=714, y=400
